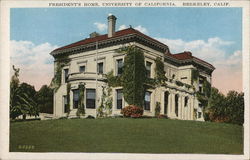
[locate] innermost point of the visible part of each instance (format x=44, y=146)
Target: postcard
x=125, y=79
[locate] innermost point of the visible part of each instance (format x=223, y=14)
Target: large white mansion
x=90, y=59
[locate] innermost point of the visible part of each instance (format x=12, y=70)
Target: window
x=90, y=98
x=119, y=63
x=186, y=102
x=75, y=98
x=119, y=98
x=66, y=74
x=200, y=105
x=201, y=81
x=176, y=105
x=148, y=69
x=199, y=114
x=166, y=95
x=100, y=68
x=147, y=100
x=65, y=103
x=82, y=69
x=173, y=76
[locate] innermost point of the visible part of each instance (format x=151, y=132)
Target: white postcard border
x=5, y=79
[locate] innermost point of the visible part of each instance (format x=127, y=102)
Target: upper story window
x=100, y=68
x=200, y=105
x=201, y=81
x=90, y=98
x=119, y=98
x=148, y=69
x=147, y=100
x=173, y=76
x=82, y=69
x=119, y=64
x=66, y=75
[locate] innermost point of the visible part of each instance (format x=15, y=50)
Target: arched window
x=166, y=95
x=176, y=104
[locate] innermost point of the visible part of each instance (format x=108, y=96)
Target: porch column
x=179, y=106
x=172, y=104
x=192, y=108
x=71, y=99
x=189, y=108
x=183, y=109
x=162, y=100
x=169, y=104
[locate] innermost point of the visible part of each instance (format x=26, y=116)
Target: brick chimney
x=111, y=25
x=93, y=35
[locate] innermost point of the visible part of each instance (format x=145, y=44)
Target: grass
x=126, y=136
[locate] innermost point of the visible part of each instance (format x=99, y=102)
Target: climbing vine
x=68, y=99
x=160, y=77
x=60, y=63
x=134, y=76
x=179, y=83
x=157, y=109
x=207, y=88
x=113, y=81
x=204, y=96
x=105, y=108
x=194, y=75
x=81, y=107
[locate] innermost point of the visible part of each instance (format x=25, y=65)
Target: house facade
x=89, y=60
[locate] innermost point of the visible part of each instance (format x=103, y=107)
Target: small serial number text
x=26, y=147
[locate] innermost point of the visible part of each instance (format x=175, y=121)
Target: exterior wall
x=109, y=57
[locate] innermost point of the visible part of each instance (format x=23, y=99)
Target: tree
x=235, y=107
x=134, y=76
x=29, y=90
x=21, y=103
x=228, y=108
x=45, y=99
x=216, y=106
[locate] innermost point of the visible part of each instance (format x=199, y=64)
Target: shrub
x=179, y=83
x=90, y=117
x=132, y=111
x=157, y=109
x=163, y=116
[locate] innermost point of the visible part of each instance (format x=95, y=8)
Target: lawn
x=126, y=135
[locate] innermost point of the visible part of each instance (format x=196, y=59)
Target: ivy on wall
x=207, y=88
x=160, y=77
x=179, y=83
x=204, y=96
x=134, y=76
x=68, y=99
x=113, y=81
x=194, y=75
x=157, y=109
x=81, y=107
x=105, y=108
x=60, y=63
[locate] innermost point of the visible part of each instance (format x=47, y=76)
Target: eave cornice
x=111, y=42
x=193, y=61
